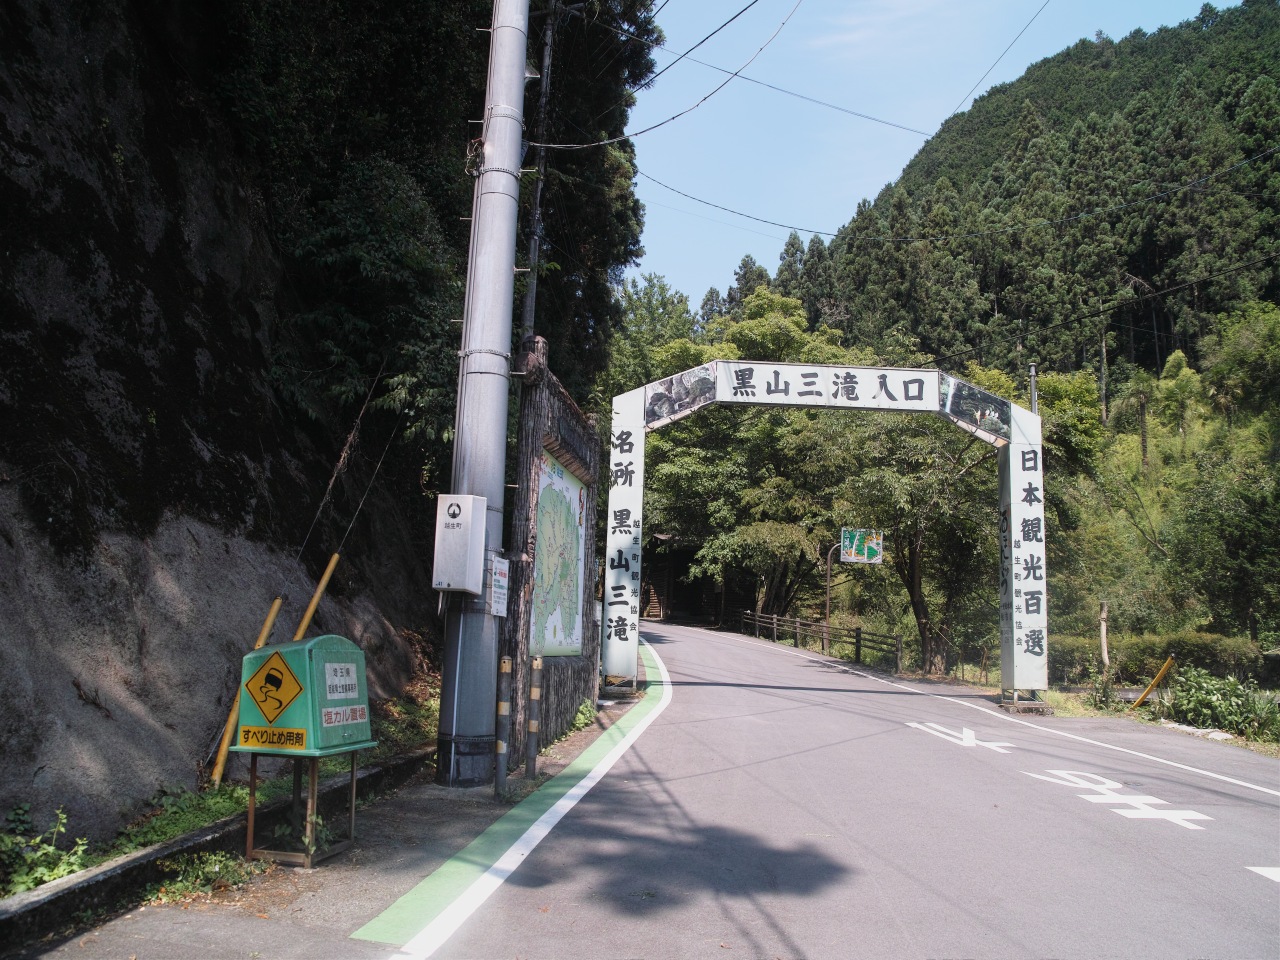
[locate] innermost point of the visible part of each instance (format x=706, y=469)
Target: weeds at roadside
x=28, y=860
x=1202, y=700
x=195, y=874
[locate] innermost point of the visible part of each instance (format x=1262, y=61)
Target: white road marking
x=1271, y=873
x=1007, y=718
x=1105, y=791
x=965, y=737
x=436, y=933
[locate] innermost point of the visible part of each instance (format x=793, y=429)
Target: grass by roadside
x=1194, y=701
x=32, y=855
x=1086, y=704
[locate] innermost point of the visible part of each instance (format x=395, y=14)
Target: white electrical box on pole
x=466, y=743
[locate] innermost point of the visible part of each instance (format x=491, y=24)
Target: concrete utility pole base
x=464, y=761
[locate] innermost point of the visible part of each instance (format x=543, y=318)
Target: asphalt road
x=784, y=807
x=768, y=803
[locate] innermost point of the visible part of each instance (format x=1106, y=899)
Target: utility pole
x=535, y=234
x=468, y=696
x=554, y=8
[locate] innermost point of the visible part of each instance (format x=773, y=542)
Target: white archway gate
x=1012, y=429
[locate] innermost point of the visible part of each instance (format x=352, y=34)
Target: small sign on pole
x=499, y=578
x=861, y=546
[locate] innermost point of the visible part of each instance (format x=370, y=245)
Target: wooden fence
x=798, y=633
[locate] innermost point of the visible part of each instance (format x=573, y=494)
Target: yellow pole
x=229, y=730
x=315, y=600
x=1154, y=683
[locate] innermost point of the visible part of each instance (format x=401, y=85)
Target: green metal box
x=304, y=699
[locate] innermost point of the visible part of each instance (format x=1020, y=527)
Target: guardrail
x=790, y=629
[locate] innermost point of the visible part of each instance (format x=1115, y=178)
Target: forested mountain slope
x=1119, y=195
x=1224, y=51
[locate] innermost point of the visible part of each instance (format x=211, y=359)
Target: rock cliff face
x=145, y=466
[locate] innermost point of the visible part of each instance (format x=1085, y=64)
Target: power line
x=761, y=83
x=980, y=233
x=649, y=82
x=701, y=42
x=998, y=59
x=736, y=213
x=628, y=136
x=723, y=223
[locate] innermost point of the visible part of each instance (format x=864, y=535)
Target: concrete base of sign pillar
x=1011, y=702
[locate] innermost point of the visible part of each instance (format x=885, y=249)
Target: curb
x=54, y=906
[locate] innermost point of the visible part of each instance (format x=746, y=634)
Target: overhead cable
x=701, y=42
x=761, y=83
x=649, y=82
x=603, y=143
x=980, y=233
x=736, y=213
x=998, y=59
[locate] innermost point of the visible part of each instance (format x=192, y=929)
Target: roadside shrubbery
x=1198, y=698
x=1135, y=658
x=28, y=860
x=193, y=874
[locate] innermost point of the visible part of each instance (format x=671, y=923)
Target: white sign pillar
x=620, y=624
x=1023, y=596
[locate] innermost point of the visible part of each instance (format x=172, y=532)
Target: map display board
x=556, y=621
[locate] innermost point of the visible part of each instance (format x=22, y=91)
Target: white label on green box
x=341, y=682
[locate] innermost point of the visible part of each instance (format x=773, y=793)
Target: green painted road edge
x=411, y=914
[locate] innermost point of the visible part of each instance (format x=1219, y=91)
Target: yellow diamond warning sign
x=273, y=687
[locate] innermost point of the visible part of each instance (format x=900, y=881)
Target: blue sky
x=908, y=62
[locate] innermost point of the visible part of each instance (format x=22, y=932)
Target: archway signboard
x=1014, y=430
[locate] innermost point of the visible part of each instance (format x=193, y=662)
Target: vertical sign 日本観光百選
x=1023, y=603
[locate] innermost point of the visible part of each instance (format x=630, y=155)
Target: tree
x=1179, y=394
x=1242, y=359
x=771, y=327
x=653, y=314
x=711, y=309
x=815, y=280
x=1223, y=533
x=787, y=281
x=592, y=218
x=931, y=490
x=1136, y=395
x=746, y=279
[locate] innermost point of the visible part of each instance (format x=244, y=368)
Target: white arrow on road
x=966, y=737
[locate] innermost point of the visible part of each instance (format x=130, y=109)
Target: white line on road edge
x=1000, y=715
x=435, y=934
x=1271, y=873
